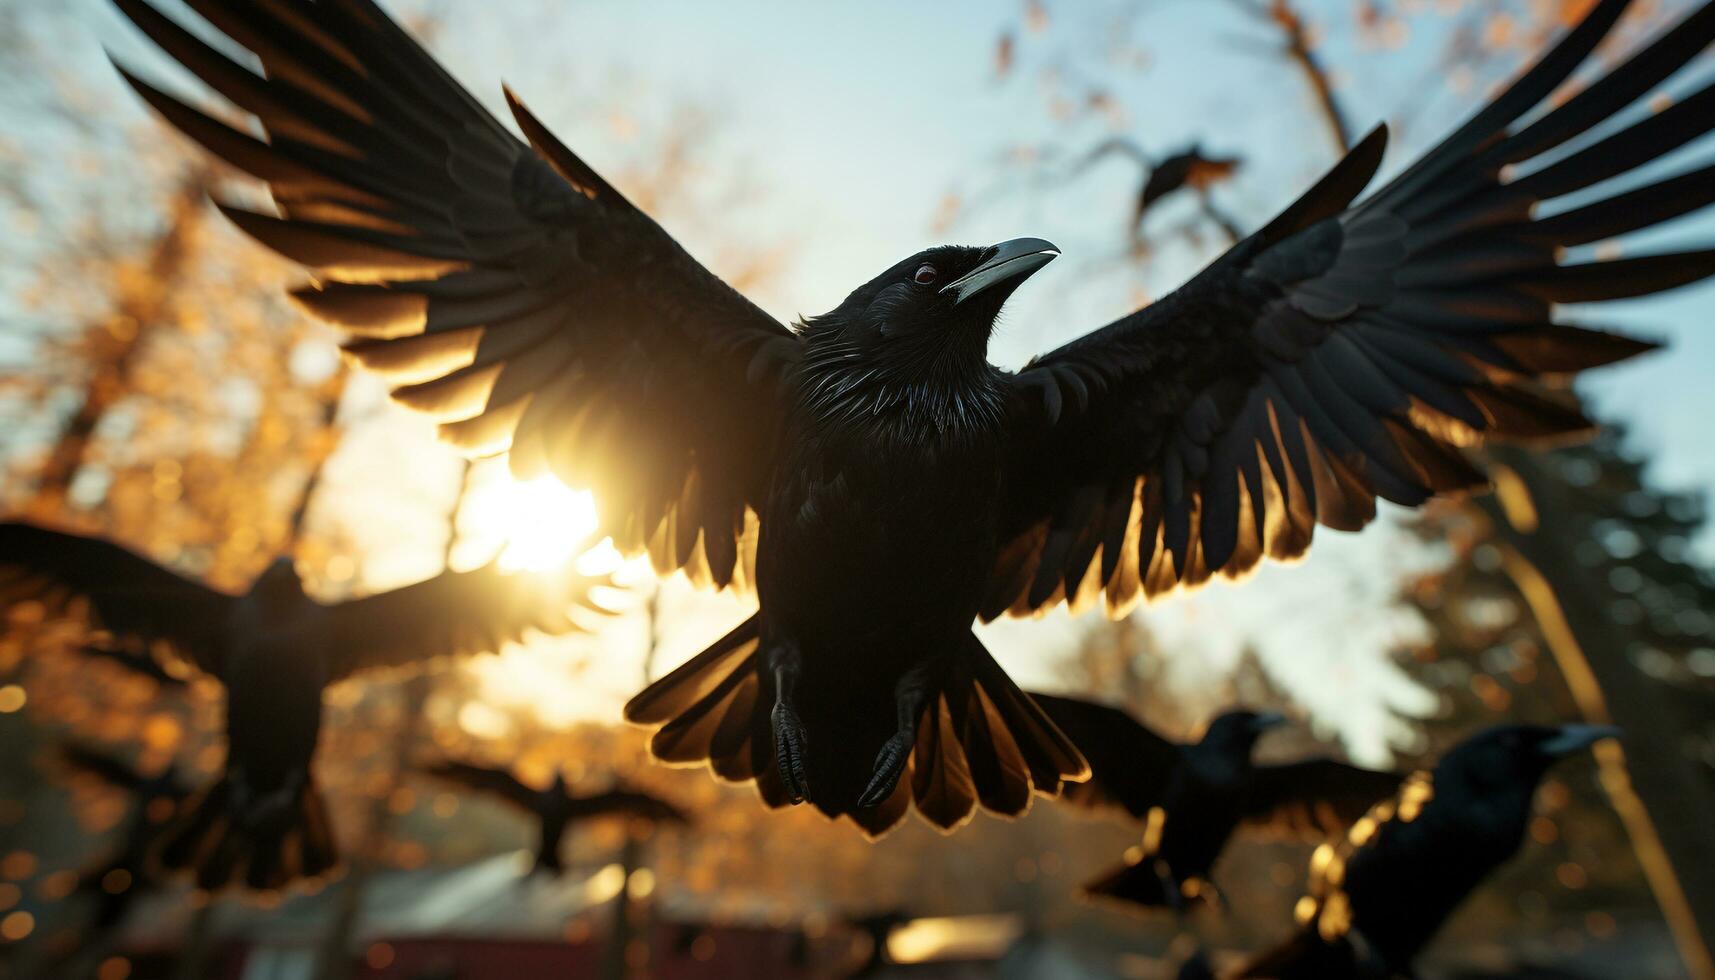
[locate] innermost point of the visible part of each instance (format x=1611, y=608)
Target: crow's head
x=922, y=326
x=279, y=583
x=1234, y=733
x=942, y=297
x=1516, y=756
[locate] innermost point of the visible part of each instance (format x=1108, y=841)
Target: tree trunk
x=142, y=302
x=1666, y=803
x=334, y=958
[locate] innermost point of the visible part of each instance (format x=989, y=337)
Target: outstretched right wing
x=1346, y=351
x=504, y=288
x=1315, y=799
x=454, y=614
x=497, y=781
x=1130, y=765
x=129, y=595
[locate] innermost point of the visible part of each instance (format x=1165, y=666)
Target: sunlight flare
x=544, y=523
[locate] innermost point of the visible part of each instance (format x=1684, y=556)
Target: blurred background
x=156, y=387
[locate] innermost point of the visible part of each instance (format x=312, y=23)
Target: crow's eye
x=925, y=275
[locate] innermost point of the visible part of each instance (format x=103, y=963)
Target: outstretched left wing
x=497, y=781
x=501, y=286
x=1315, y=799
x=1345, y=351
x=454, y=614
x=1130, y=765
x=133, y=598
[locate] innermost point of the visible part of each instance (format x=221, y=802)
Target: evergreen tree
x=1573, y=591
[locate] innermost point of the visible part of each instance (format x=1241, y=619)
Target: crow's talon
x=889, y=766
x=790, y=755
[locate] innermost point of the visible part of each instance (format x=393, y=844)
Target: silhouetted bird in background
x=1378, y=898
x=274, y=649
x=1187, y=169
x=1192, y=797
x=113, y=883
x=888, y=482
x=556, y=808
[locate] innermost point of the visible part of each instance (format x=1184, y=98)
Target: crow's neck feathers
x=928, y=384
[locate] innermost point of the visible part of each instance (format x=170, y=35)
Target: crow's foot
x=791, y=743
x=889, y=766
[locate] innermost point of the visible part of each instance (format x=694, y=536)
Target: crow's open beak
x=1573, y=738
x=1009, y=262
x=1266, y=720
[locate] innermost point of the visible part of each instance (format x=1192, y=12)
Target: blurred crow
x=555, y=807
x=1192, y=797
x=1379, y=897
x=879, y=482
x=118, y=880
x=274, y=649
x=1187, y=169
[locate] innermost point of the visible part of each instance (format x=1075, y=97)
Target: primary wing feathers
x=128, y=595
x=502, y=287
x=454, y=614
x=1130, y=765
x=497, y=781
x=1314, y=799
x=1348, y=351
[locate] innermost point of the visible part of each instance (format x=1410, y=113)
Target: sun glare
x=544, y=523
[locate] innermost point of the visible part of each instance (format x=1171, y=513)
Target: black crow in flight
x=1187, y=168
x=113, y=883
x=275, y=649
x=555, y=808
x=1378, y=898
x=1192, y=797
x=880, y=483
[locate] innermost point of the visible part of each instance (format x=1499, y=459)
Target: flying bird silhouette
x=1378, y=898
x=275, y=649
x=1188, y=168
x=115, y=882
x=556, y=807
x=1193, y=797
x=877, y=480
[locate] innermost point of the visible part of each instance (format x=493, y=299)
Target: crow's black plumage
x=1377, y=898
x=878, y=481
x=275, y=649
x=1192, y=797
x=113, y=883
x=556, y=807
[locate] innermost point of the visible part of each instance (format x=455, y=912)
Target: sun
x=543, y=523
